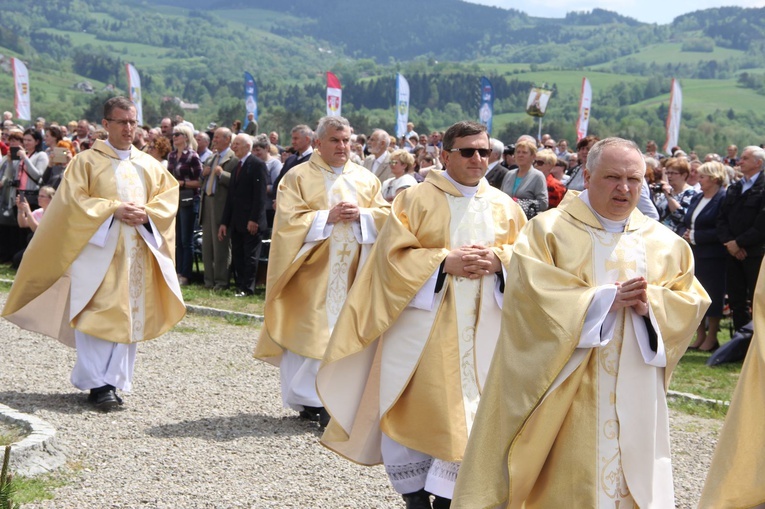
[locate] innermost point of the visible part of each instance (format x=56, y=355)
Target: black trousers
x=245, y=254
x=740, y=282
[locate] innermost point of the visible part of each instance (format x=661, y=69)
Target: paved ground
x=204, y=427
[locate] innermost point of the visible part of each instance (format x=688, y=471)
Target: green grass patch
x=10, y=434
x=239, y=320
x=198, y=295
x=671, y=53
x=35, y=489
x=698, y=409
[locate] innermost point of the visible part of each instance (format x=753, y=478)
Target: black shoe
x=310, y=413
x=104, y=398
x=323, y=417
x=417, y=500
x=442, y=503
x=244, y=293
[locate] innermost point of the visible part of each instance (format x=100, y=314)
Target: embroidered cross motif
x=621, y=265
x=345, y=252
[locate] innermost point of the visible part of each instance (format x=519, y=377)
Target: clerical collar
x=122, y=154
x=337, y=169
x=467, y=191
x=609, y=225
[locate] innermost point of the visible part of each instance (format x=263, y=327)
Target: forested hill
x=196, y=51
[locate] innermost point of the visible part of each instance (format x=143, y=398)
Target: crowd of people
x=389, y=267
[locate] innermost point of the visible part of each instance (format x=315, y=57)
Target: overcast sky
x=648, y=11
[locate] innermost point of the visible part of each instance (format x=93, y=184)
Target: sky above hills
x=647, y=11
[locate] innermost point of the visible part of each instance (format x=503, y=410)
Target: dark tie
x=238, y=170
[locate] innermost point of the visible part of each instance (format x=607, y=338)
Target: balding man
x=496, y=173
x=378, y=160
x=244, y=216
x=216, y=175
x=574, y=411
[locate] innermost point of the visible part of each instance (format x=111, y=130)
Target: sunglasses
x=467, y=153
x=177, y=134
x=539, y=162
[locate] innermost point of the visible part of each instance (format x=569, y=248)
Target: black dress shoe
x=104, y=399
x=310, y=414
x=442, y=503
x=323, y=417
x=417, y=500
x=244, y=293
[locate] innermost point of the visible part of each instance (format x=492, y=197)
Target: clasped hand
x=131, y=214
x=472, y=262
x=343, y=211
x=632, y=293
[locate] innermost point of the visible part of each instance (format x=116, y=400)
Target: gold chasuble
x=562, y=426
x=736, y=478
x=416, y=374
x=86, y=270
x=307, y=282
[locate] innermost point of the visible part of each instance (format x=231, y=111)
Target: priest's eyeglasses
x=123, y=123
x=467, y=153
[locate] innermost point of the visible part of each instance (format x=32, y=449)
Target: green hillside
x=197, y=51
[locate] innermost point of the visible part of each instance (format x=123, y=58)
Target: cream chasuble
x=308, y=280
x=565, y=426
x=122, y=281
x=415, y=374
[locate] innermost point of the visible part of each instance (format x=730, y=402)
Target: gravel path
x=204, y=428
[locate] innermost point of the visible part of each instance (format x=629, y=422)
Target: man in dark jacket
x=245, y=214
x=741, y=228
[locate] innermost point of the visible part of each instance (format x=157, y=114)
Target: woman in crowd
x=402, y=167
x=709, y=253
x=677, y=194
x=184, y=164
x=54, y=138
x=12, y=235
x=28, y=218
x=159, y=149
x=545, y=161
x=525, y=184
x=32, y=165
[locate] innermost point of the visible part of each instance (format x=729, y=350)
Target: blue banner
x=486, y=111
x=250, y=99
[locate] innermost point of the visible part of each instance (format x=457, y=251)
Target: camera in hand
x=15, y=183
x=657, y=188
x=14, y=153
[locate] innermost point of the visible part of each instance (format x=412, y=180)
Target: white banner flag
x=134, y=88
x=673, y=116
x=402, y=105
x=22, y=100
x=585, y=103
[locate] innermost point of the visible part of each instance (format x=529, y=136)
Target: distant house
x=180, y=102
x=84, y=86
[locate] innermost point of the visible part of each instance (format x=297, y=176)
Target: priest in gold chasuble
x=328, y=213
x=99, y=272
x=604, y=304
x=736, y=478
x=403, y=373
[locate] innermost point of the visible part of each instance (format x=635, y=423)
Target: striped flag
x=134, y=86
x=22, y=99
x=585, y=102
x=673, y=117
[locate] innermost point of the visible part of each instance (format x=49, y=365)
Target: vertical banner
x=402, y=105
x=673, y=116
x=21, y=100
x=486, y=112
x=334, y=95
x=134, y=86
x=250, y=99
x=585, y=102
x=536, y=105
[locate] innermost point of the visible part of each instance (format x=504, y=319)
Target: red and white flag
x=334, y=95
x=22, y=99
x=585, y=102
x=674, y=116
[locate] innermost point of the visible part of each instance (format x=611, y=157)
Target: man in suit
x=496, y=172
x=245, y=214
x=216, y=174
x=741, y=228
x=378, y=160
x=252, y=125
x=302, y=142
